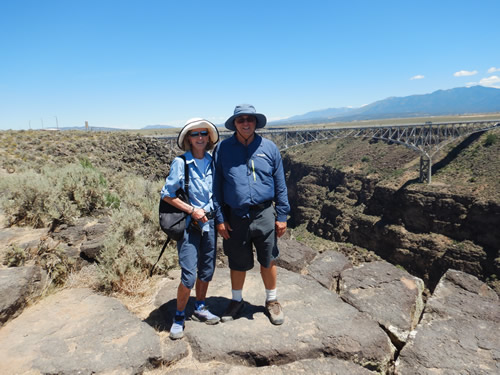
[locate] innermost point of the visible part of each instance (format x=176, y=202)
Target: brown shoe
x=232, y=311
x=275, y=312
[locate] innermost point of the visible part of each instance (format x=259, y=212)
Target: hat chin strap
x=242, y=136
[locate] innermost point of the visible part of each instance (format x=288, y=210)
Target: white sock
x=237, y=294
x=271, y=295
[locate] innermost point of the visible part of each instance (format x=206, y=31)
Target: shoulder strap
x=159, y=257
x=186, y=175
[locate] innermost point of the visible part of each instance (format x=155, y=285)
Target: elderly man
x=251, y=204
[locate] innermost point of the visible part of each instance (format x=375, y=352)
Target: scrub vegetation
x=50, y=179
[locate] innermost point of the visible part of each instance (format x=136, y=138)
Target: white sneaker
x=203, y=315
x=177, y=330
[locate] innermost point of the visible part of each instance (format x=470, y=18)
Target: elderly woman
x=197, y=249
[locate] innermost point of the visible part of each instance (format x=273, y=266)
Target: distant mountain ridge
x=457, y=101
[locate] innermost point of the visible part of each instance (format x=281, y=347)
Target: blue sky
x=128, y=64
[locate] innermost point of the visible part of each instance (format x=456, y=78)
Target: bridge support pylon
x=425, y=169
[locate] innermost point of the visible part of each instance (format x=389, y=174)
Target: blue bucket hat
x=246, y=109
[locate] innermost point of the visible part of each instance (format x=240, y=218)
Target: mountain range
x=457, y=101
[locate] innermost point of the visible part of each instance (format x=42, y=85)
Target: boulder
x=18, y=287
x=294, y=256
x=390, y=295
x=86, y=235
x=459, y=330
x=326, y=268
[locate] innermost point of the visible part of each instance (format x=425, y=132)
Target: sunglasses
x=203, y=133
x=241, y=120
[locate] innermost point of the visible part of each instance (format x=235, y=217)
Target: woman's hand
x=199, y=215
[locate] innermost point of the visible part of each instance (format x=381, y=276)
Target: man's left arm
x=280, y=196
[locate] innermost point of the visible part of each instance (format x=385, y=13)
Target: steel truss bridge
x=426, y=139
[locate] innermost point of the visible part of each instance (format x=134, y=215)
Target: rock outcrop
x=339, y=319
x=18, y=287
x=374, y=287
x=318, y=323
x=426, y=232
x=458, y=332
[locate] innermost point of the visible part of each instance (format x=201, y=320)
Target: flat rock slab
x=317, y=324
x=459, y=332
x=18, y=286
x=77, y=332
x=388, y=294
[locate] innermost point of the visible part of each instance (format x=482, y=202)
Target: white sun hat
x=197, y=123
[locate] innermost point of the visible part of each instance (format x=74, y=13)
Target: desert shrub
x=53, y=195
x=50, y=257
x=85, y=187
x=491, y=139
x=14, y=256
x=28, y=199
x=55, y=262
x=86, y=163
x=135, y=239
x=111, y=200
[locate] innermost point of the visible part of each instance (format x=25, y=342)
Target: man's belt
x=260, y=206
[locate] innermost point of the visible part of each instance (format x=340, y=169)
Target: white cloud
x=417, y=77
x=465, y=73
x=493, y=70
x=493, y=81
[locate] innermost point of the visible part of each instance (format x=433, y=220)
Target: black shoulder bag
x=173, y=220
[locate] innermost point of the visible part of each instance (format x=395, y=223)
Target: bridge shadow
x=452, y=155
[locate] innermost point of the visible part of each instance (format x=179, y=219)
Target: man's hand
x=224, y=229
x=280, y=228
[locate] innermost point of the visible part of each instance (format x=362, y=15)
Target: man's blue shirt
x=249, y=175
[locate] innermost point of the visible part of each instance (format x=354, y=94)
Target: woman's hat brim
x=197, y=123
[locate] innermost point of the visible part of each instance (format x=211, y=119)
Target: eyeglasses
x=203, y=133
x=241, y=120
